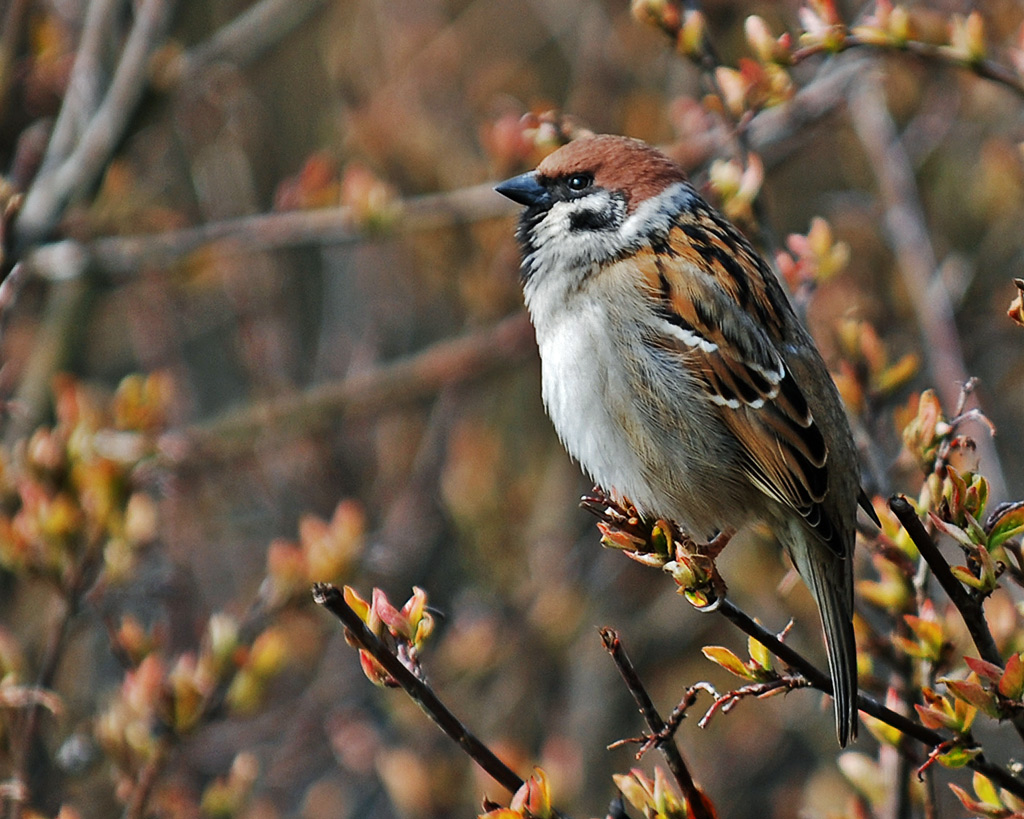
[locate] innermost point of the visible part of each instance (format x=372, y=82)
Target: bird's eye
x=579, y=181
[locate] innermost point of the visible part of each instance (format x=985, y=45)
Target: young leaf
x=972, y=692
x=984, y=669
x=1007, y=521
x=729, y=661
x=1011, y=684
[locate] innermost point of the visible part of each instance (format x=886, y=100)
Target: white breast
x=584, y=374
x=596, y=398
x=586, y=404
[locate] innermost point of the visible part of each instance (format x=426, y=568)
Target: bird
x=678, y=375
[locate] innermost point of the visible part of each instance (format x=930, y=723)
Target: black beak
x=524, y=189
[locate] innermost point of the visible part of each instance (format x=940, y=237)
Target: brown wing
x=711, y=298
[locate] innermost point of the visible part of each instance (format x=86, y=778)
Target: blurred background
x=291, y=213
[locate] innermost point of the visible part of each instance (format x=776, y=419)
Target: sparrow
x=678, y=375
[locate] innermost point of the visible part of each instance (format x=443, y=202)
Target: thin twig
x=709, y=61
x=50, y=347
x=81, y=579
x=52, y=191
x=85, y=88
x=168, y=737
x=10, y=289
x=930, y=52
x=331, y=599
x=147, y=779
x=775, y=132
x=673, y=756
x=869, y=705
x=970, y=608
x=394, y=384
x=247, y=37
x=724, y=703
x=986, y=69
x=121, y=257
x=687, y=701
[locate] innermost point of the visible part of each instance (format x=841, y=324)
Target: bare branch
x=399, y=382
x=85, y=88
x=51, y=191
x=49, y=349
x=147, y=779
x=246, y=38
x=775, y=131
x=124, y=256
x=694, y=796
x=81, y=579
x=724, y=703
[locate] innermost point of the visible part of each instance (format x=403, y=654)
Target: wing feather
x=735, y=354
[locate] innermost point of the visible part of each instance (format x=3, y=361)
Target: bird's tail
x=829, y=579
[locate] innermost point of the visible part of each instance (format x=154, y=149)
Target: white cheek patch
x=562, y=257
x=559, y=246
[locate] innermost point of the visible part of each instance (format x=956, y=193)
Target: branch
x=147, y=779
x=724, y=703
x=53, y=340
x=970, y=607
x=169, y=737
x=397, y=383
x=10, y=289
x=708, y=61
x=695, y=798
x=772, y=131
x=123, y=257
x=246, y=38
x=331, y=599
x=984, y=68
x=84, y=90
x=869, y=705
x=81, y=578
x=670, y=19
x=53, y=190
